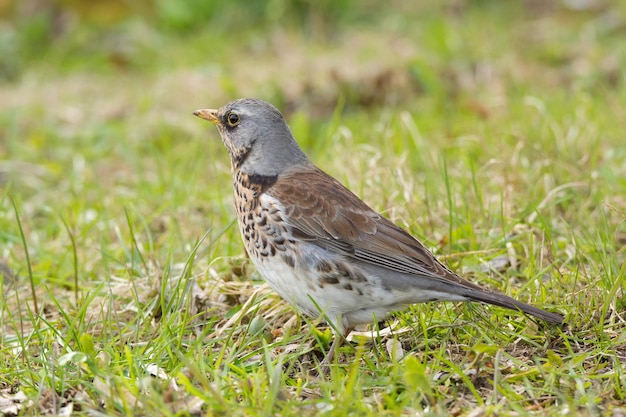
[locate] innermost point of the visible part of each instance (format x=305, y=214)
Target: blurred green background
x=424, y=42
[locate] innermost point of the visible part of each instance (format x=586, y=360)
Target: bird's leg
x=337, y=342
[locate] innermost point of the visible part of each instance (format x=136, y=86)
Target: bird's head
x=256, y=136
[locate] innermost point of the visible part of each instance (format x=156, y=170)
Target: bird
x=317, y=244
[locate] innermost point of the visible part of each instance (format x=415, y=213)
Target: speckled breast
x=262, y=226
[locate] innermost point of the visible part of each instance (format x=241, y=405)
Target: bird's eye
x=233, y=119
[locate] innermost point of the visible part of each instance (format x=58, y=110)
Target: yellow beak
x=208, y=114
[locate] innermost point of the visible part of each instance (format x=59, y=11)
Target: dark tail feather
x=502, y=300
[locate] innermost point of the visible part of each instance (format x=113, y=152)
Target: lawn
x=493, y=131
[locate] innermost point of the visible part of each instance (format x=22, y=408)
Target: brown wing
x=323, y=211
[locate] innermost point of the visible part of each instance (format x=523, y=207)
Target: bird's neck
x=268, y=157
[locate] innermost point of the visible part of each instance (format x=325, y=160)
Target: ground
x=493, y=131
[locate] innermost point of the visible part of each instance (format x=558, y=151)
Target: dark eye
x=233, y=119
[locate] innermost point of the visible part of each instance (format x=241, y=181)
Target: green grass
x=492, y=131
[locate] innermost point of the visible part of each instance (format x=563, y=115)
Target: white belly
x=345, y=306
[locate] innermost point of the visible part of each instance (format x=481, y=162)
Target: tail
x=502, y=300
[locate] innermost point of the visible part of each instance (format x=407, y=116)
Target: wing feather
x=321, y=210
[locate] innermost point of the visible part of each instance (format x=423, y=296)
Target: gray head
x=256, y=136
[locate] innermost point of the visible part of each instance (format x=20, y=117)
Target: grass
x=491, y=131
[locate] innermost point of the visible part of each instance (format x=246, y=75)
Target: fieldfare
x=316, y=243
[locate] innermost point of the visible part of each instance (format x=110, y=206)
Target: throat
x=239, y=156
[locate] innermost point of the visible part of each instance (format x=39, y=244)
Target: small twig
x=551, y=195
